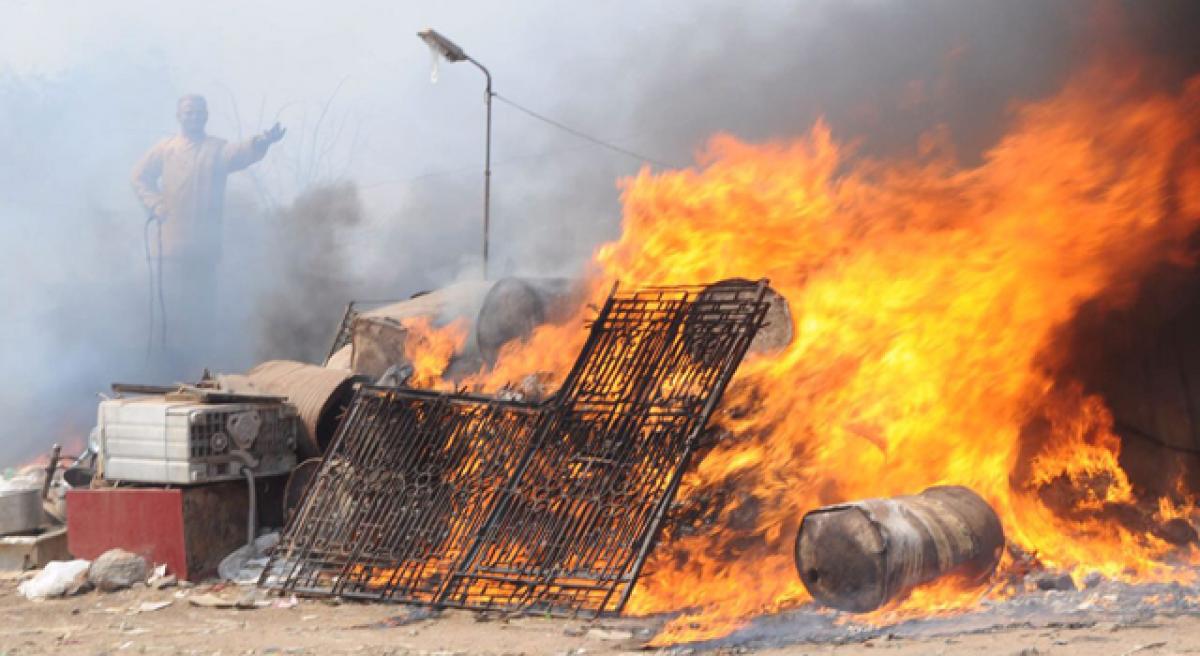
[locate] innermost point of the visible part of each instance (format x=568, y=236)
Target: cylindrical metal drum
x=858, y=556
x=777, y=331
x=513, y=307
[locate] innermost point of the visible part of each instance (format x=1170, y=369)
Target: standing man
x=181, y=183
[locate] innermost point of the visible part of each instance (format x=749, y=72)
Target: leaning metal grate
x=405, y=485
x=478, y=503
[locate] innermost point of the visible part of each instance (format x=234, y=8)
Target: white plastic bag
x=58, y=578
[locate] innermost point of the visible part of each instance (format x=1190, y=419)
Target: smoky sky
x=377, y=190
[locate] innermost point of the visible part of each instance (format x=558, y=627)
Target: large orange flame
x=430, y=349
x=924, y=294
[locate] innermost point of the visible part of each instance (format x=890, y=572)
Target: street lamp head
x=442, y=46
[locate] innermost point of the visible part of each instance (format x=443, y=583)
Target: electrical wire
x=531, y=156
x=583, y=135
x=162, y=303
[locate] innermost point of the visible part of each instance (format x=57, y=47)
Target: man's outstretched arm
x=240, y=155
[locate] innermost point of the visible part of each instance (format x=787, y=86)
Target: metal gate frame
x=475, y=502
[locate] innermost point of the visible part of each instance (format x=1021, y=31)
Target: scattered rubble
x=159, y=579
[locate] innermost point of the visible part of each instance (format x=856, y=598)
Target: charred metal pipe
x=857, y=556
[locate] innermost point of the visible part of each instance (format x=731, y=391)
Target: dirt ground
x=122, y=623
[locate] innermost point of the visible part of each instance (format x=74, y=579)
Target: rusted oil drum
x=857, y=556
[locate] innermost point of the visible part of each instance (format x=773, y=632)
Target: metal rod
x=51, y=467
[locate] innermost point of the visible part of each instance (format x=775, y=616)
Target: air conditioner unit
x=185, y=440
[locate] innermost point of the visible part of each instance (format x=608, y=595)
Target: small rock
x=609, y=634
x=151, y=606
x=290, y=602
x=1093, y=579
x=251, y=600
x=117, y=569
x=1054, y=581
x=209, y=600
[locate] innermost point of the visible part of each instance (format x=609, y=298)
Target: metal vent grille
x=205, y=425
x=463, y=501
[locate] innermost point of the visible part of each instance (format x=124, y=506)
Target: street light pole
x=487, y=166
x=448, y=49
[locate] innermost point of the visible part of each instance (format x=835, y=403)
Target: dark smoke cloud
x=311, y=280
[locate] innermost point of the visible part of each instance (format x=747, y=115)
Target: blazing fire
x=925, y=294
x=430, y=349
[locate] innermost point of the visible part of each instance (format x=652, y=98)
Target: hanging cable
x=154, y=288
x=162, y=303
x=583, y=135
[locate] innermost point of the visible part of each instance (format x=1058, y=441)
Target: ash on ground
x=1105, y=605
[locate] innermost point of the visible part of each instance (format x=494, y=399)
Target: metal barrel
x=320, y=395
x=858, y=556
x=493, y=313
x=513, y=307
x=777, y=331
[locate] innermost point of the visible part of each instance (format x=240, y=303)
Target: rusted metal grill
x=402, y=491
x=477, y=503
